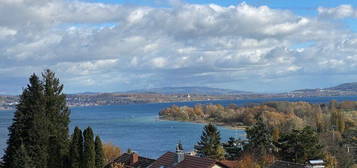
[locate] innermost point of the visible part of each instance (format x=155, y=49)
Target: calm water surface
x=137, y=126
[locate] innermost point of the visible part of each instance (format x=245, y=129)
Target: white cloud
x=87, y=67
x=126, y=47
x=4, y=32
x=159, y=62
x=342, y=11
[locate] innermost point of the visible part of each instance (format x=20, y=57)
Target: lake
x=137, y=126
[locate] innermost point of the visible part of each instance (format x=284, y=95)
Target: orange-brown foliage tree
x=248, y=161
x=111, y=152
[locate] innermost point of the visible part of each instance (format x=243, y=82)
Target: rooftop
x=132, y=160
x=168, y=160
x=286, y=164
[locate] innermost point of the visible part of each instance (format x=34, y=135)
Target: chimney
x=134, y=158
x=180, y=154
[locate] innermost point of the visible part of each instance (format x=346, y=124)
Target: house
x=286, y=164
x=182, y=160
x=130, y=160
x=230, y=163
x=170, y=160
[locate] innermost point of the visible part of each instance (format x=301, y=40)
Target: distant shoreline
x=337, y=98
x=213, y=100
x=102, y=99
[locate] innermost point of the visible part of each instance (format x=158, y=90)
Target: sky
x=118, y=45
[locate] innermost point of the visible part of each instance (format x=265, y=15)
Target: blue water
x=137, y=126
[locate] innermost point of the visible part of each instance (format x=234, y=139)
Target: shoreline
x=221, y=124
x=325, y=99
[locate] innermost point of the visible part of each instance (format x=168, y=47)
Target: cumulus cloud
x=109, y=47
x=342, y=11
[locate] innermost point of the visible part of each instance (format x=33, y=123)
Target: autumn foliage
x=333, y=125
x=248, y=161
x=111, y=152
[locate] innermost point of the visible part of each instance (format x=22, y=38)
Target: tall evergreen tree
x=89, y=149
x=57, y=113
x=260, y=139
x=76, y=149
x=300, y=145
x=29, y=127
x=41, y=113
x=99, y=155
x=210, y=143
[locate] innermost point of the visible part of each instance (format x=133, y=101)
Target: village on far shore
x=184, y=94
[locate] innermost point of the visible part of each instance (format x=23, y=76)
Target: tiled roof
x=125, y=159
x=229, y=163
x=168, y=161
x=285, y=164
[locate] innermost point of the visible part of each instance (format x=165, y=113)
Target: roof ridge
x=291, y=162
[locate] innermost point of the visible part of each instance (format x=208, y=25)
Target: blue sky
x=119, y=45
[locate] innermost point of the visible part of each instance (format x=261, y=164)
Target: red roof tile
x=125, y=159
x=168, y=161
x=229, y=163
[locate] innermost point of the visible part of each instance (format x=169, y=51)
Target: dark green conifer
x=89, y=149
x=210, y=143
x=76, y=149
x=233, y=148
x=260, y=139
x=54, y=152
x=29, y=127
x=41, y=113
x=99, y=155
x=21, y=158
x=300, y=145
x=57, y=113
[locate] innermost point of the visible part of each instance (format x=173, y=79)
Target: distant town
x=184, y=94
